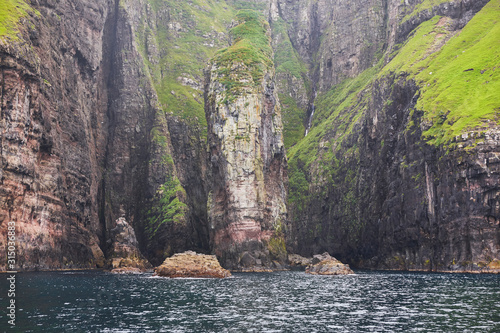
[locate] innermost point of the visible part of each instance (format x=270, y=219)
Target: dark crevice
x=109, y=47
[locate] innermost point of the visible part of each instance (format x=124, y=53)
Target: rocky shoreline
x=190, y=264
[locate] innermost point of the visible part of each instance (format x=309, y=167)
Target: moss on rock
x=11, y=12
x=243, y=64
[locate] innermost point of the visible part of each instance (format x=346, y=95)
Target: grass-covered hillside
x=458, y=73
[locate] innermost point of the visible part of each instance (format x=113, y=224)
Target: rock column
x=246, y=205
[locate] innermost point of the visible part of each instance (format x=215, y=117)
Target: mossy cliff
x=246, y=207
x=400, y=169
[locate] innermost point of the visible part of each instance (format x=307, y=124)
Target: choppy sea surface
x=260, y=302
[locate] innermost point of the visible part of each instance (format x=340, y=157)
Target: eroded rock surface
x=192, y=265
x=324, y=264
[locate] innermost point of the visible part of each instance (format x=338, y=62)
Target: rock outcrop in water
x=247, y=201
x=324, y=264
x=191, y=265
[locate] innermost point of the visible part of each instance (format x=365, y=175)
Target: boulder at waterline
x=324, y=264
x=192, y=264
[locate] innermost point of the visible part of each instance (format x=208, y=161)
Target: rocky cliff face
x=392, y=180
x=53, y=135
x=337, y=39
x=106, y=117
x=246, y=207
x=83, y=142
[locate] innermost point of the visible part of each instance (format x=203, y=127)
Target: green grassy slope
x=251, y=47
x=461, y=80
x=11, y=11
x=458, y=76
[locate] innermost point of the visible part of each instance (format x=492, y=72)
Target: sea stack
x=246, y=205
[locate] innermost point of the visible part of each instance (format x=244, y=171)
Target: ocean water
x=254, y=302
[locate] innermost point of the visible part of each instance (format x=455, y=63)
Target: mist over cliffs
x=186, y=121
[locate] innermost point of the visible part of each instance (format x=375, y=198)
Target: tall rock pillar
x=247, y=200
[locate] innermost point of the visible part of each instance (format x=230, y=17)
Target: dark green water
x=272, y=302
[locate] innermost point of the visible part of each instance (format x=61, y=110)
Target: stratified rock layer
x=246, y=207
x=53, y=135
x=83, y=141
x=192, y=265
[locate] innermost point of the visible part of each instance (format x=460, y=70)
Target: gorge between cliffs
x=132, y=130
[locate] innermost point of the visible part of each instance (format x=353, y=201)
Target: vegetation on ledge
x=244, y=63
x=11, y=12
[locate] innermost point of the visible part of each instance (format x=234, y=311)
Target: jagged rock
x=125, y=253
x=192, y=265
x=324, y=264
